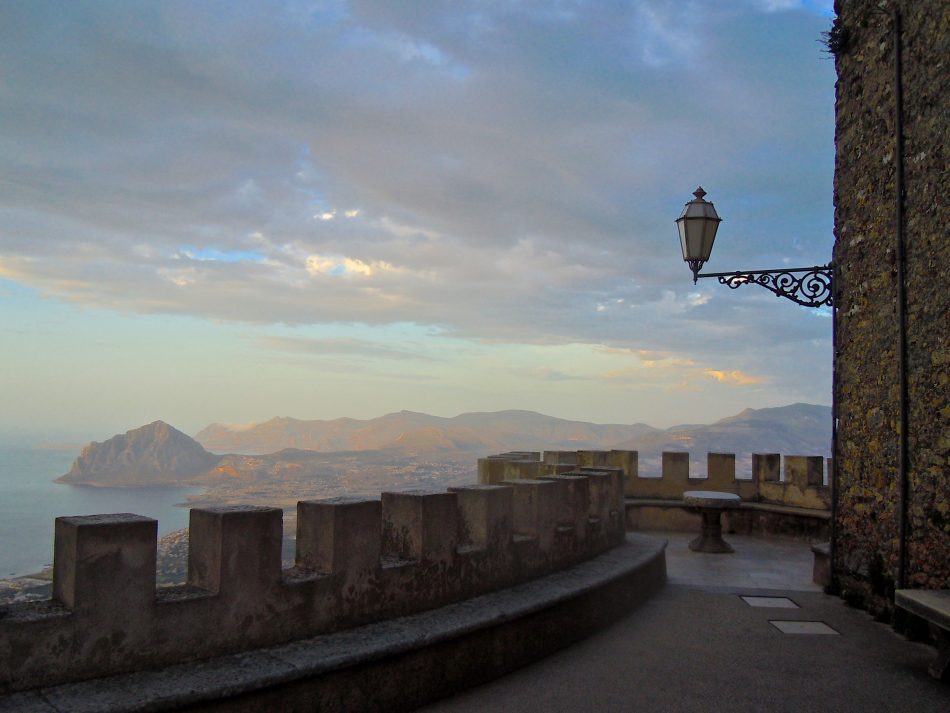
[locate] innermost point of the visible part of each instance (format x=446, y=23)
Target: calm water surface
x=30, y=501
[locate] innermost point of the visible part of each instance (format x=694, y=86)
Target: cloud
x=212, y=254
x=345, y=266
x=544, y=373
x=733, y=377
x=516, y=167
x=678, y=373
x=346, y=346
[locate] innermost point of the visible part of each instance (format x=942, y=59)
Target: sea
x=30, y=502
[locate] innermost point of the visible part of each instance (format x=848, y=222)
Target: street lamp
x=698, y=223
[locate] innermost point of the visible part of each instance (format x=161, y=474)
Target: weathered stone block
x=629, y=462
x=802, y=471
x=339, y=534
x=535, y=510
x=592, y=458
x=766, y=467
x=491, y=470
x=235, y=551
x=676, y=467
x=105, y=563
x=575, y=507
x=521, y=470
x=420, y=525
x=549, y=469
x=721, y=471
x=485, y=515
x=599, y=489
x=560, y=457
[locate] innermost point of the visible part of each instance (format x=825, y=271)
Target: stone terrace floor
x=699, y=646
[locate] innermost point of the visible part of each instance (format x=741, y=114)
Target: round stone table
x=710, y=504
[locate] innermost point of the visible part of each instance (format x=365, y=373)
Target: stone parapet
x=358, y=560
x=800, y=484
x=387, y=665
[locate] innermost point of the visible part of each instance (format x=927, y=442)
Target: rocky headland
x=156, y=454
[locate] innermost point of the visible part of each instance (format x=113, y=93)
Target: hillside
x=156, y=454
x=798, y=429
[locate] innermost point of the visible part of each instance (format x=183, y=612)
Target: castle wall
x=358, y=560
x=780, y=496
x=793, y=481
x=867, y=386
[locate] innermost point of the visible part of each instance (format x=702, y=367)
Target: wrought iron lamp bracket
x=807, y=286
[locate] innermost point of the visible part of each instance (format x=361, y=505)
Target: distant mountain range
x=287, y=449
x=797, y=428
x=470, y=432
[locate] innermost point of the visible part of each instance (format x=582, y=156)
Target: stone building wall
x=867, y=386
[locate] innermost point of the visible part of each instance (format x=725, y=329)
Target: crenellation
x=629, y=461
x=720, y=472
x=560, y=457
x=339, y=535
x=575, y=503
x=552, y=469
x=613, y=487
x=802, y=484
x=592, y=458
x=598, y=495
x=563, y=521
x=521, y=469
x=535, y=510
x=235, y=551
x=766, y=467
x=420, y=525
x=104, y=565
x=676, y=467
x=491, y=470
x=763, y=484
x=358, y=560
x=804, y=471
x=523, y=455
x=485, y=516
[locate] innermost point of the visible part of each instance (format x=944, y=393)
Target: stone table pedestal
x=710, y=504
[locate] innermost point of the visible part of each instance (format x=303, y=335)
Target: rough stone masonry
x=867, y=386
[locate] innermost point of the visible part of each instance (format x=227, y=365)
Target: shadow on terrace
x=748, y=631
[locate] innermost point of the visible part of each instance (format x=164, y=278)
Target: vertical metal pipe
x=903, y=526
x=835, y=459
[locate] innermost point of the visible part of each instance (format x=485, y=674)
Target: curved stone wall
x=358, y=561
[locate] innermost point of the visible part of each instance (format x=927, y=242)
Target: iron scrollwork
x=807, y=286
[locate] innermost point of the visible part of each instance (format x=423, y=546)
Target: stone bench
x=668, y=514
x=934, y=607
x=821, y=569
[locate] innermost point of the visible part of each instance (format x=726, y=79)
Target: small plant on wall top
x=835, y=39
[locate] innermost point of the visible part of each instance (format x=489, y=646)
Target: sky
x=230, y=211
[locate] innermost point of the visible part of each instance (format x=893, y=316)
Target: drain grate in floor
x=770, y=602
x=803, y=627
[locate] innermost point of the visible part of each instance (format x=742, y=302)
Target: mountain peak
x=156, y=452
